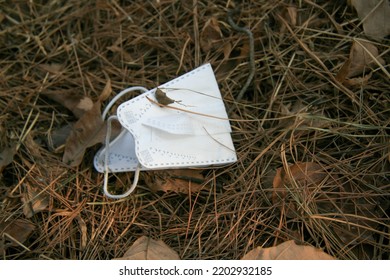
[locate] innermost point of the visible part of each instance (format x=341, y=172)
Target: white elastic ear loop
x=107, y=146
x=119, y=95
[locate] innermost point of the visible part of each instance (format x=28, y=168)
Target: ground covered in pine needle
x=302, y=114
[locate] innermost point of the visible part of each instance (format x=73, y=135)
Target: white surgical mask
x=193, y=131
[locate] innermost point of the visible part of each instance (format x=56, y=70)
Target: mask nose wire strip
x=107, y=146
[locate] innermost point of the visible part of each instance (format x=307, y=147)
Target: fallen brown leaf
x=227, y=49
x=89, y=130
x=358, y=81
x=175, y=180
x=77, y=104
x=375, y=15
x=210, y=35
x=308, y=190
x=360, y=60
x=287, y=251
x=290, y=14
x=145, y=248
x=34, y=201
x=306, y=183
x=286, y=16
x=299, y=116
x=7, y=156
x=58, y=136
x=18, y=231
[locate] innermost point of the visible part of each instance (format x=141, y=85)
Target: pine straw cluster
x=294, y=111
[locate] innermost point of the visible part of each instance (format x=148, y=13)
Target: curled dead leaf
x=86, y=132
x=362, y=57
x=375, y=15
x=287, y=251
x=145, y=248
x=89, y=130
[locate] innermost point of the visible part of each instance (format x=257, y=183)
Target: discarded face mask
x=182, y=123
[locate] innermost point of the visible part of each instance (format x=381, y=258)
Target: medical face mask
x=181, y=124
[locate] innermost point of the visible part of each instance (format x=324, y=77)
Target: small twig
x=251, y=51
x=197, y=113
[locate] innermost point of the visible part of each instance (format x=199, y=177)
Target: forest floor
x=311, y=131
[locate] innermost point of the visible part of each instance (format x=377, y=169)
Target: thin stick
x=251, y=52
x=197, y=113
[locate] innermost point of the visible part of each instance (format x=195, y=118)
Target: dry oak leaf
x=145, y=248
x=361, y=59
x=77, y=104
x=375, y=15
x=287, y=251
